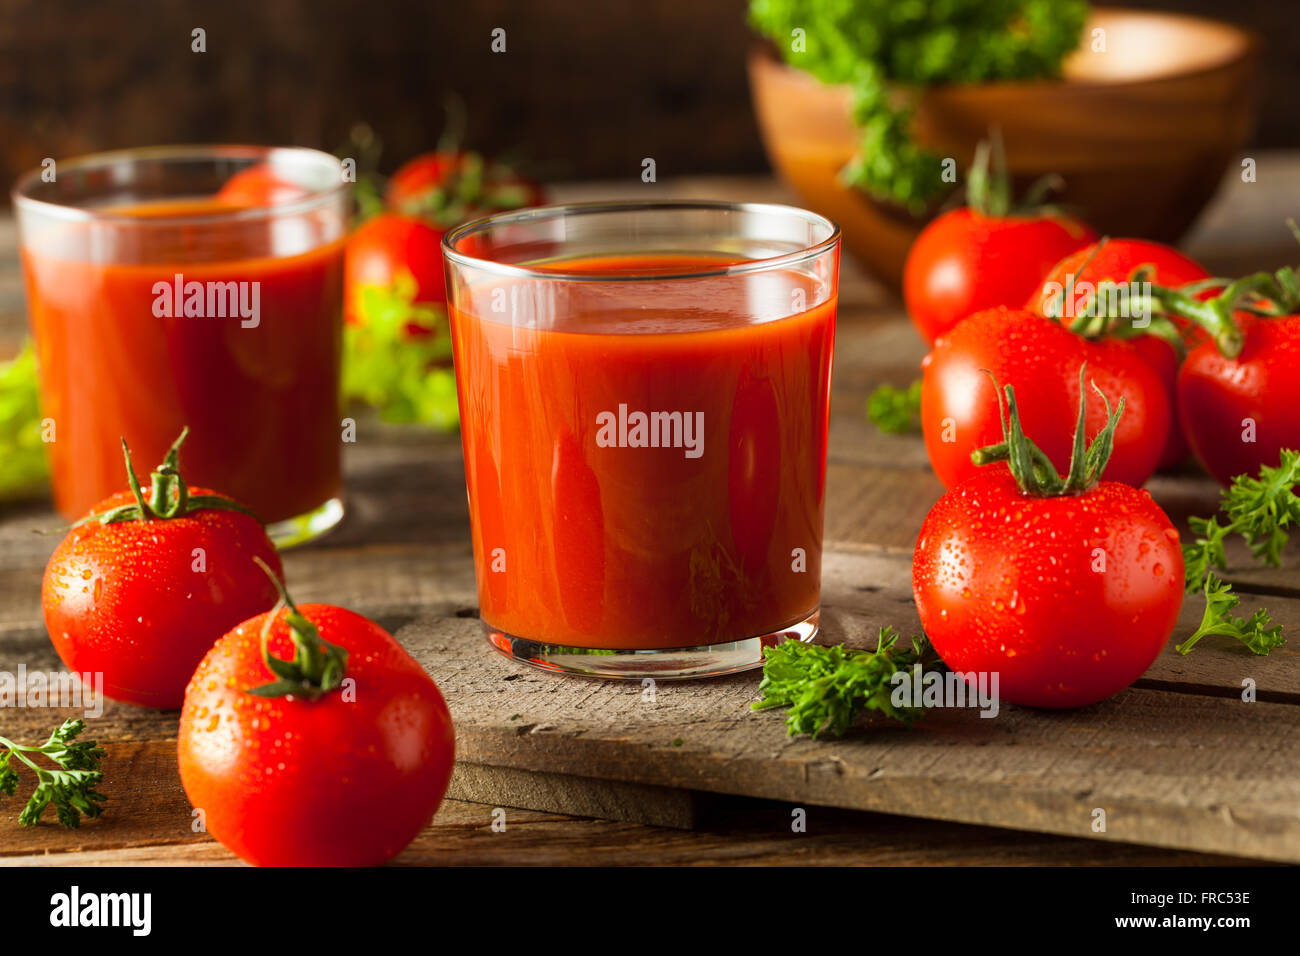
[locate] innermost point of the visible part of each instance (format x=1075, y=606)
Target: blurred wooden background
x=585, y=89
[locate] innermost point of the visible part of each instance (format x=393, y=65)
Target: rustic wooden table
x=586, y=772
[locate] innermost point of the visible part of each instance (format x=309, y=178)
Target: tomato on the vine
x=449, y=186
x=1239, y=391
x=960, y=408
x=1240, y=412
x=141, y=588
x=310, y=737
x=1118, y=261
x=965, y=261
x=985, y=254
x=425, y=197
x=1066, y=588
x=386, y=248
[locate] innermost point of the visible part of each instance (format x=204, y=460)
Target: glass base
x=669, y=663
x=292, y=532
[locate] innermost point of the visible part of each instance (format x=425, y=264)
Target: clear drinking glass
x=644, y=391
x=196, y=286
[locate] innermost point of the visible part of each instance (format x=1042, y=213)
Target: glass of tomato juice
x=644, y=391
x=197, y=286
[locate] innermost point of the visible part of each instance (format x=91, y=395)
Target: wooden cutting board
x=1178, y=761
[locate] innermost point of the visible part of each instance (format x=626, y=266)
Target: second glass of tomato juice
x=644, y=391
x=195, y=286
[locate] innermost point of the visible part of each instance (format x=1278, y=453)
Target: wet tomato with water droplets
x=1240, y=412
x=344, y=776
x=965, y=261
x=1068, y=599
x=1117, y=261
x=1041, y=359
x=1060, y=587
x=140, y=598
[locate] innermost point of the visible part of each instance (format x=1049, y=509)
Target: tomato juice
x=251, y=365
x=645, y=448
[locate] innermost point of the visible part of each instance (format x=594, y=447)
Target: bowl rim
x=764, y=51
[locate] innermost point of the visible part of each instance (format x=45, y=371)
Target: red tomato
x=1068, y=599
x=386, y=247
x=965, y=261
x=451, y=186
x=141, y=601
x=348, y=778
x=1116, y=261
x=428, y=195
x=1041, y=358
x=259, y=186
x=1239, y=413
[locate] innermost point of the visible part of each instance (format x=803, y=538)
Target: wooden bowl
x=1142, y=133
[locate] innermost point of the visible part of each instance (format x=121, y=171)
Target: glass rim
x=561, y=210
x=112, y=157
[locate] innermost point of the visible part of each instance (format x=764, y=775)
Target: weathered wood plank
x=1204, y=773
x=877, y=509
x=575, y=796
x=146, y=806
x=150, y=823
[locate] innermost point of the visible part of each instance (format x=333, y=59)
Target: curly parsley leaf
x=23, y=465
x=1262, y=510
x=397, y=358
x=887, y=51
x=1205, y=552
x=825, y=687
x=1253, y=631
x=896, y=410
x=70, y=788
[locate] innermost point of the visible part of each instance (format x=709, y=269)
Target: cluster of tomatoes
x=1071, y=595
x=308, y=736
x=424, y=198
x=401, y=237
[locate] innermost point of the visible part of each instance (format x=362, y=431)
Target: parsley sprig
x=1204, y=553
x=71, y=787
x=896, y=411
x=1253, y=631
x=23, y=465
x=1262, y=511
x=407, y=377
x=826, y=686
x=888, y=52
